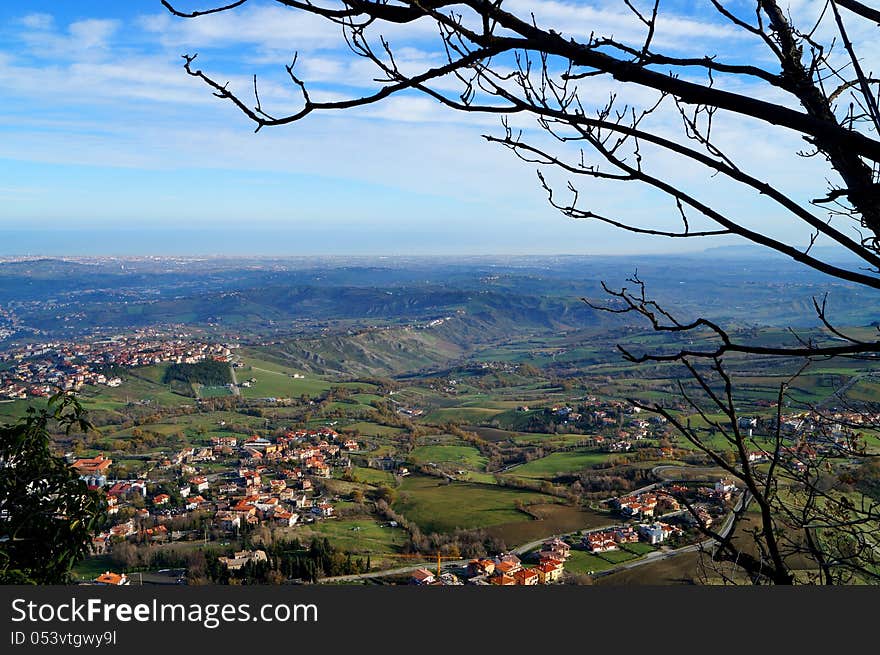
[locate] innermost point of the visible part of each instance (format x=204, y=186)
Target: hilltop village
x=41, y=370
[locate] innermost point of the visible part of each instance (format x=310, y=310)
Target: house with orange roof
x=228, y=520
x=481, y=567
x=549, y=572
x=284, y=518
x=93, y=465
x=600, y=542
x=503, y=580
x=161, y=499
x=556, y=548
x=324, y=509
x=526, y=577
x=156, y=533
x=512, y=558
x=422, y=577
x=112, y=579
x=244, y=508
x=625, y=535
x=200, y=483
x=100, y=544
x=556, y=544
x=507, y=568
x=551, y=557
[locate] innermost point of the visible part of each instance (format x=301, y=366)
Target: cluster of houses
x=257, y=494
x=42, y=370
x=722, y=492
x=656, y=532
x=704, y=503
x=813, y=432
x=506, y=569
x=645, y=504
x=613, y=426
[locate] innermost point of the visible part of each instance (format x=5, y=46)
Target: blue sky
x=107, y=147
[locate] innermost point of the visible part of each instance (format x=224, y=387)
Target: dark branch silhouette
x=809, y=81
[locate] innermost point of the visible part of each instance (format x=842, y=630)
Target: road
x=839, y=393
x=266, y=370
x=235, y=390
x=404, y=569
x=660, y=470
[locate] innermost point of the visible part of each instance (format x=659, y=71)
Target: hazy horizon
x=262, y=241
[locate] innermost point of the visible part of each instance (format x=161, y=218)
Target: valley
x=385, y=413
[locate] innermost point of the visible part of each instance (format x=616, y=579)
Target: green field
x=91, y=567
x=438, y=507
x=557, y=464
x=618, y=556
x=865, y=390
x=13, y=410
x=640, y=548
x=154, y=373
x=552, y=519
x=133, y=388
x=372, y=476
x=374, y=429
x=466, y=457
x=358, y=536
x=274, y=381
x=211, y=392
x=581, y=562
x=476, y=476
x=462, y=414
x=366, y=398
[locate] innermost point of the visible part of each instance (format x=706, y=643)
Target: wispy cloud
x=269, y=27
x=38, y=21
x=580, y=19
x=84, y=38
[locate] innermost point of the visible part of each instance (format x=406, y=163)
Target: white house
x=654, y=533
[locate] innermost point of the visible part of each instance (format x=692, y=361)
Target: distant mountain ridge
x=268, y=295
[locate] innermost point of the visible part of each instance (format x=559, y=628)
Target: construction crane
x=439, y=557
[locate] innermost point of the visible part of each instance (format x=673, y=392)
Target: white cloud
x=38, y=21
x=579, y=20
x=272, y=28
x=85, y=38
x=92, y=33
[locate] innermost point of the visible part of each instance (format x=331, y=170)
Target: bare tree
x=801, y=79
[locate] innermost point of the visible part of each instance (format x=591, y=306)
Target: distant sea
x=225, y=240
x=259, y=240
x=320, y=240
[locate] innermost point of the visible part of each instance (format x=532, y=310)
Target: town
x=41, y=370
x=244, y=486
